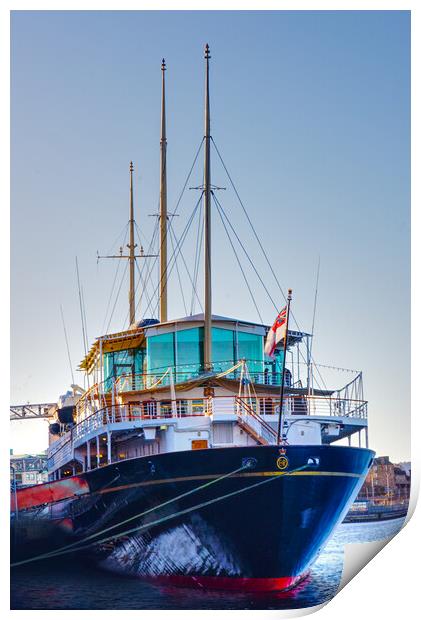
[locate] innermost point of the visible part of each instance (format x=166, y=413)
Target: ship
x=192, y=457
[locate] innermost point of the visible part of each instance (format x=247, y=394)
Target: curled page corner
x=358, y=555
x=299, y=612
x=413, y=500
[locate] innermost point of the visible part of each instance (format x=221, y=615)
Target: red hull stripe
x=247, y=584
x=49, y=492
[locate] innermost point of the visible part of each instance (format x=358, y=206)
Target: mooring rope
x=80, y=545
x=141, y=514
x=230, y=370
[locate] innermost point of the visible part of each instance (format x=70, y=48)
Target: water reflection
x=66, y=584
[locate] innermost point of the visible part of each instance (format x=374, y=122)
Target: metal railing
x=62, y=452
x=255, y=422
x=134, y=382
x=135, y=412
x=323, y=406
x=252, y=411
x=184, y=372
x=303, y=404
x=163, y=409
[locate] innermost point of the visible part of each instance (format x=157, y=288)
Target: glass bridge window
x=117, y=363
x=160, y=352
x=223, y=348
x=250, y=347
x=189, y=352
x=184, y=350
x=125, y=362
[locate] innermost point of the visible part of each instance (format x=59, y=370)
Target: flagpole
x=281, y=404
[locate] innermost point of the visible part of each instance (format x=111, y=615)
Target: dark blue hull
x=260, y=527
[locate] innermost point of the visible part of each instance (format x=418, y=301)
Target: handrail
x=180, y=369
x=89, y=392
x=61, y=446
x=183, y=372
x=252, y=413
x=115, y=411
x=154, y=409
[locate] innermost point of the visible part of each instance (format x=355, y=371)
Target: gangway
x=32, y=411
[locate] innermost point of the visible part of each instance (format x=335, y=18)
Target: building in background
x=402, y=483
x=28, y=469
x=406, y=466
x=387, y=482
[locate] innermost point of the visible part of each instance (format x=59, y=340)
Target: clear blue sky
x=311, y=111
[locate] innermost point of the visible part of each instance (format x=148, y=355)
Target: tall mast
x=163, y=296
x=131, y=247
x=131, y=256
x=207, y=348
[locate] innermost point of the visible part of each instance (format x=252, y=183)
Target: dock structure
x=32, y=411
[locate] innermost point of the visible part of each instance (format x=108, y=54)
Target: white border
x=388, y=586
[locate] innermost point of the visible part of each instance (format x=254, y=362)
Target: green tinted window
x=139, y=356
x=250, y=347
x=189, y=349
x=108, y=368
x=123, y=357
x=117, y=363
x=222, y=345
x=160, y=352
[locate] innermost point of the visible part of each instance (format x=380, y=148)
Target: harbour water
x=68, y=584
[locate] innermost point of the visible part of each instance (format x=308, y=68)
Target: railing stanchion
x=113, y=389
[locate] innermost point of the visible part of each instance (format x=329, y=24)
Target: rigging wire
x=250, y=223
x=339, y=368
x=151, y=247
x=245, y=252
x=117, y=296
x=199, y=241
x=84, y=316
x=140, y=271
x=123, y=230
x=67, y=344
x=174, y=213
x=144, y=279
x=314, y=306
x=253, y=229
x=263, y=251
x=239, y=262
x=142, y=282
x=145, y=265
x=194, y=290
x=177, y=250
x=185, y=183
x=188, y=176
x=85, y=345
x=179, y=278
x=178, y=245
x=154, y=263
x=126, y=228
x=261, y=280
